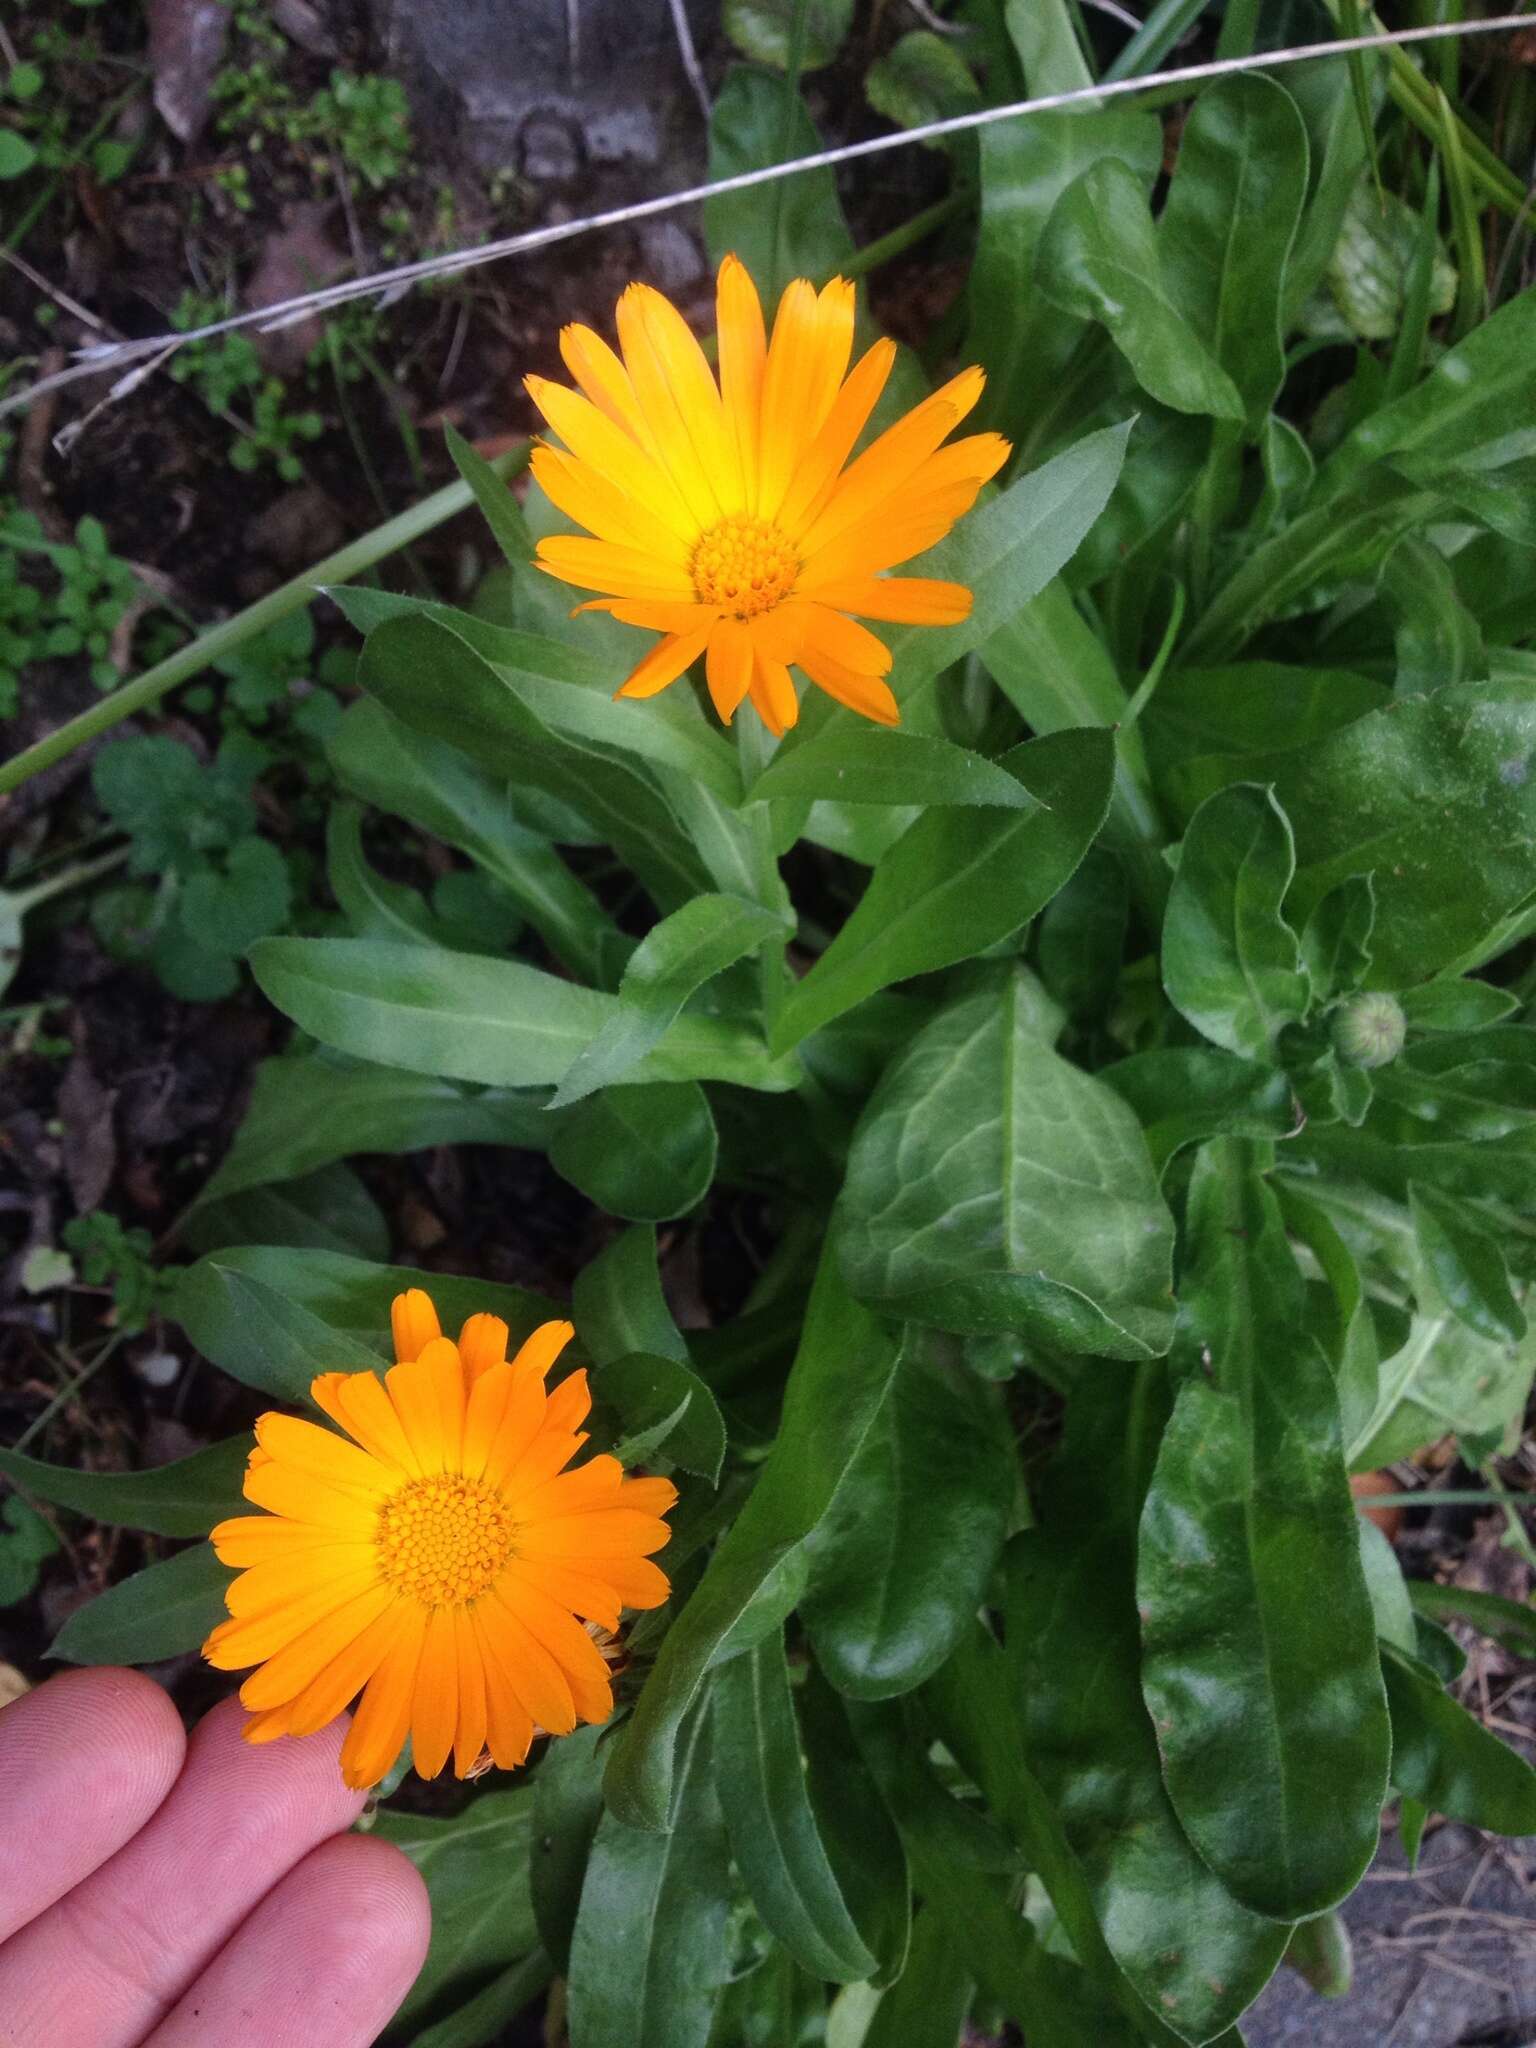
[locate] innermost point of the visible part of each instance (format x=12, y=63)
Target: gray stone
x=562, y=91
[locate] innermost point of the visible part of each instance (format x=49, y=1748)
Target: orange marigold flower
x=439, y=1560
x=728, y=517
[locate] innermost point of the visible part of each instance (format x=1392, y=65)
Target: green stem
x=794, y=66
x=23, y=900
x=1444, y=1497
x=68, y=1392
x=229, y=634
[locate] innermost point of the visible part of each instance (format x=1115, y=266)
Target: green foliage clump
x=58, y=601
x=1120, y=1081
x=121, y=1258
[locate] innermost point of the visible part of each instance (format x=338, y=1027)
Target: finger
x=323, y=1962
x=108, y=1961
x=84, y=1762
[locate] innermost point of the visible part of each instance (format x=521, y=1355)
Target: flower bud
x=1369, y=1030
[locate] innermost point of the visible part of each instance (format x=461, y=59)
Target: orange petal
x=539, y=1352
x=845, y=641
x=435, y=1702
x=743, y=354
x=358, y=1402
x=383, y=1717
x=665, y=663
x=620, y=572
x=415, y=1324
x=595, y=439
x=869, y=695
x=773, y=694
x=817, y=469
x=482, y=1344
x=728, y=666
x=904, y=600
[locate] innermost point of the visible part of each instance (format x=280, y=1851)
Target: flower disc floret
x=744, y=565
x=444, y=1540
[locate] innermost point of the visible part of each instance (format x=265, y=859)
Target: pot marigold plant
x=1027, y=1037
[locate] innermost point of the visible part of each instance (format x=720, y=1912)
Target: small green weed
x=109, y=1255
x=75, y=609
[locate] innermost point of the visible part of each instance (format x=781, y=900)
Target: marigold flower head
x=728, y=516
x=438, y=1558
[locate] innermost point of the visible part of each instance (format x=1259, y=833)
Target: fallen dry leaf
x=186, y=48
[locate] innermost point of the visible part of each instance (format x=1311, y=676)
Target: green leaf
x=1468, y=1267
x=1186, y=1094
x=760, y=1774
x=1022, y=340
x=757, y=1573
x=327, y=1210
x=928, y=2004
x=902, y=1561
x=1510, y=1622
x=308, y=1109
x=1456, y=1005
x=657, y=1903
x=501, y=511
x=921, y=78
x=868, y=765
x=854, y=1819
x=1065, y=1236
x=185, y=1498
x=16, y=154
x=955, y=884
x=618, y=1304
x=442, y=792
x=276, y=1318
x=488, y=690
x=670, y=964
x=567, y=1806
x=1225, y=235
x=1336, y=944
x=227, y=912
x=1454, y=433
x=1438, y=641
x=1081, y=939
x=975, y=1715
x=1278, y=1773
x=1447, y=1760
x=643, y=1153
x=476, y=1870
x=1231, y=963
x=462, y=1017
x=165, y=1610
x=1208, y=727
x=1435, y=797
x=25, y=1542
x=1099, y=260
x=669, y=1406
x=764, y=30
x=374, y=907
x=1191, y=1950
x=754, y=118
x=484, y=2016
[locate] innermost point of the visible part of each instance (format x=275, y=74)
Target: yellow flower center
x=744, y=565
x=444, y=1540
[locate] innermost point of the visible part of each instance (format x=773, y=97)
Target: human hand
x=157, y=1892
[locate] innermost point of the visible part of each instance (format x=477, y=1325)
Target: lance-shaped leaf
x=1099, y=261
x=758, y=1571
x=1468, y=1267
x=185, y=1498
x=567, y=1806
x=868, y=765
x=471, y=1019
x=992, y=1185
x=955, y=883
x=308, y=1109
x=760, y=1774
x=618, y=1303
x=641, y=1152
x=1193, y=1952
x=903, y=1559
x=1447, y=1760
x=163, y=1611
x=1225, y=235
x=671, y=963
x=1266, y=1698
x=658, y=1904
x=1231, y=963
x=276, y=1317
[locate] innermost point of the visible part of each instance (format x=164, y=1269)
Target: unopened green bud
x=1369, y=1030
